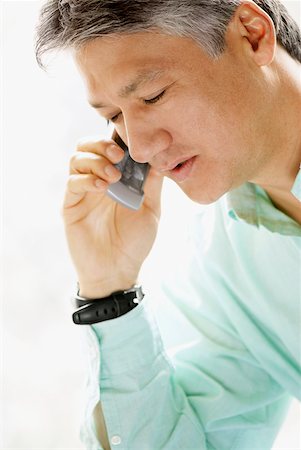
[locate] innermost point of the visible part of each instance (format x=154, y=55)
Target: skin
x=238, y=115
x=229, y=112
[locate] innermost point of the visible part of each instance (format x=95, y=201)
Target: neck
x=278, y=174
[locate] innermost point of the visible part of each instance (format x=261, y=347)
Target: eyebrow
x=142, y=77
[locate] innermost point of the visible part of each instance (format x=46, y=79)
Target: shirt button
x=116, y=440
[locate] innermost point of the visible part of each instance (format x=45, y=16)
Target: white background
x=42, y=117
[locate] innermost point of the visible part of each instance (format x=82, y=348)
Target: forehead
x=137, y=46
x=120, y=58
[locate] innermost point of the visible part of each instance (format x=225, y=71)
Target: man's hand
x=108, y=242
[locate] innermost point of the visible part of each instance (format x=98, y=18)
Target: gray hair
x=71, y=23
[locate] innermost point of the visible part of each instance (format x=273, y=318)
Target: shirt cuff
x=128, y=342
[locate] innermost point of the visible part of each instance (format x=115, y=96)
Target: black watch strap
x=97, y=310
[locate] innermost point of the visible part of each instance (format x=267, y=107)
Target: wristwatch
x=99, y=309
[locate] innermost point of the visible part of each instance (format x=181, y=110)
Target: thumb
x=152, y=190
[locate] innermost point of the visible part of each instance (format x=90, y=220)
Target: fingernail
x=114, y=152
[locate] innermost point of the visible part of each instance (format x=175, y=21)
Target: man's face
x=214, y=114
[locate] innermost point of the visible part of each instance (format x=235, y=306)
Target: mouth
x=178, y=166
x=182, y=170
x=172, y=166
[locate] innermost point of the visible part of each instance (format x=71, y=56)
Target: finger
x=85, y=163
x=79, y=185
x=152, y=190
x=107, y=148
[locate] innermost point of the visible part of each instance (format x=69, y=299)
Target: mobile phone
x=128, y=191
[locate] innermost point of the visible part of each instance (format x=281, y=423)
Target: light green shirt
x=215, y=366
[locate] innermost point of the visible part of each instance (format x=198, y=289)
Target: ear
x=257, y=31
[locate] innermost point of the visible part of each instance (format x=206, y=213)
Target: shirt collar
x=250, y=203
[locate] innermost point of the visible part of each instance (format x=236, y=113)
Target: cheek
x=225, y=128
x=204, y=118
x=223, y=110
x=210, y=124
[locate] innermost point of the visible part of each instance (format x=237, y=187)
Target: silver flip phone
x=128, y=191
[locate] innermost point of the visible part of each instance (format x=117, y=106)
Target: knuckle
x=73, y=159
x=101, y=162
x=97, y=164
x=70, y=182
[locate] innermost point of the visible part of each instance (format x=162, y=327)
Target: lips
x=172, y=166
x=182, y=170
x=180, y=165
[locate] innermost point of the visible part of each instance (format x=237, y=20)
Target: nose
x=145, y=141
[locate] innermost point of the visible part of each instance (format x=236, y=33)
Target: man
x=207, y=93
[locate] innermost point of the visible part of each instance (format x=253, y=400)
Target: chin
x=203, y=196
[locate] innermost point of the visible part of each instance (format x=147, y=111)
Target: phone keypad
x=133, y=173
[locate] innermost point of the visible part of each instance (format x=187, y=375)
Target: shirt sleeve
x=211, y=363
x=202, y=390
x=204, y=395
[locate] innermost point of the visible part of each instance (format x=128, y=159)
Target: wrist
x=103, y=289
x=92, y=311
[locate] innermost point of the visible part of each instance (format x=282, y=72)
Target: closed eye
x=113, y=119
x=154, y=99
x=150, y=101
